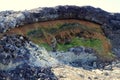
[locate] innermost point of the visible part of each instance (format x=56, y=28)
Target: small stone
x=62, y=76
x=89, y=78
x=95, y=77
x=81, y=75
x=109, y=67
x=21, y=38
x=106, y=74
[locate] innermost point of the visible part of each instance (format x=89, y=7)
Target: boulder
x=22, y=60
x=109, y=21
x=61, y=12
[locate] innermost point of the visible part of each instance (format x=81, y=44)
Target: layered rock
x=20, y=59
x=110, y=22
x=16, y=50
x=14, y=19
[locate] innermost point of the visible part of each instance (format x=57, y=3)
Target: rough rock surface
x=16, y=50
x=14, y=19
x=110, y=22
x=77, y=57
x=74, y=73
x=27, y=72
x=20, y=59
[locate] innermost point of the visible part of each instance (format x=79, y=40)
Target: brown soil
x=49, y=24
x=98, y=33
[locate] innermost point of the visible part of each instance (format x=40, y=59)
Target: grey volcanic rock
x=27, y=72
x=110, y=22
x=60, y=12
x=17, y=61
x=20, y=59
x=76, y=57
x=81, y=49
x=12, y=50
x=88, y=58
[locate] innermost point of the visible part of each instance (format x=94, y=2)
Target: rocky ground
x=110, y=22
x=11, y=19
x=74, y=73
x=17, y=62
x=23, y=60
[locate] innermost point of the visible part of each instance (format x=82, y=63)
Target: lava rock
x=77, y=50
x=80, y=50
x=89, y=13
x=15, y=60
x=109, y=21
x=27, y=72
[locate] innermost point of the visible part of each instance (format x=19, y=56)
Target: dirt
x=23, y=30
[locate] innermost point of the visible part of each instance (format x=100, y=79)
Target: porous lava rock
x=110, y=22
x=15, y=60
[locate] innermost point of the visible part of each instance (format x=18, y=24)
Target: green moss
x=109, y=57
x=36, y=33
x=51, y=30
x=91, y=43
x=96, y=44
x=46, y=46
x=39, y=35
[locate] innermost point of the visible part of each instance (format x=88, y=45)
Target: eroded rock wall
x=110, y=22
x=14, y=19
